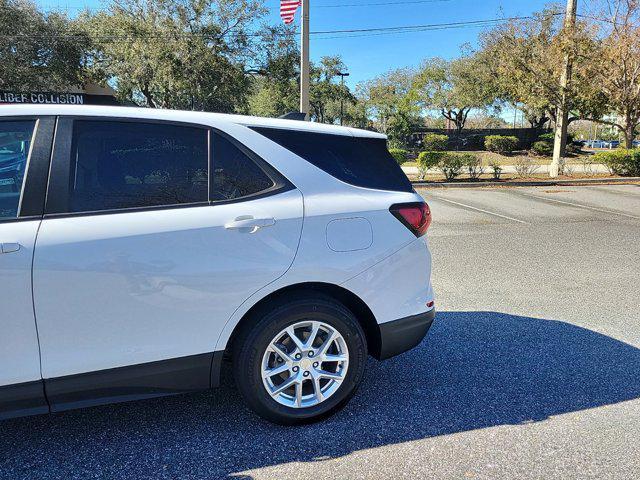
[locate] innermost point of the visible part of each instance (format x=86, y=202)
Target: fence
x=473, y=138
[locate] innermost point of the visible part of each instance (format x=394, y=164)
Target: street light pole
x=342, y=75
x=304, y=59
x=560, y=140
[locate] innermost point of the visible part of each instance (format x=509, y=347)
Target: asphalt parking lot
x=532, y=369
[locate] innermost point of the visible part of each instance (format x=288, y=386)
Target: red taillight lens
x=416, y=216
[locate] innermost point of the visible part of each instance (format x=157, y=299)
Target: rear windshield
x=360, y=161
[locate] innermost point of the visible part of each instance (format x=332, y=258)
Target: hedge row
x=450, y=164
x=620, y=161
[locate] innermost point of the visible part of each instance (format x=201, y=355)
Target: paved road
x=532, y=369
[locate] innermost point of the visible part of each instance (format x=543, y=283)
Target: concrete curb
x=532, y=183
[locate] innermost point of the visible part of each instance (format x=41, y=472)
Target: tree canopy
x=221, y=55
x=40, y=51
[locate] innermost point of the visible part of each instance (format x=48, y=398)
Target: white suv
x=141, y=248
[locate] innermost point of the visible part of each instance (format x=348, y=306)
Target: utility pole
x=304, y=60
x=342, y=75
x=560, y=141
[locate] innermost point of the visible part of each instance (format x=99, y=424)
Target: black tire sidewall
x=248, y=358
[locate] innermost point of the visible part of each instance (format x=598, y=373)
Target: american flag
x=288, y=10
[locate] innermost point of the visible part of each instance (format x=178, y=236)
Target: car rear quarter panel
x=402, y=259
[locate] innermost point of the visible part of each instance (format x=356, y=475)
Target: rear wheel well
x=360, y=310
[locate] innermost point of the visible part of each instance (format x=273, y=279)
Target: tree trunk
x=629, y=135
x=537, y=122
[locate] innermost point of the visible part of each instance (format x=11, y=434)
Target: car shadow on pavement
x=474, y=370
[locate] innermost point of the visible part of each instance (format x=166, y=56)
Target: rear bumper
x=401, y=335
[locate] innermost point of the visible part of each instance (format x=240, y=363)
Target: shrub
x=473, y=164
x=547, y=137
x=451, y=164
x=542, y=148
x=496, y=169
x=544, y=145
x=500, y=143
x=427, y=160
x=620, y=161
x=525, y=166
x=435, y=142
x=587, y=165
x=551, y=137
x=399, y=154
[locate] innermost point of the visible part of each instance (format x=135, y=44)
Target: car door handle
x=246, y=223
x=9, y=247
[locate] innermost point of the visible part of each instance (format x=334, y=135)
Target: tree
x=176, y=53
x=386, y=101
x=524, y=59
x=453, y=88
x=325, y=93
x=39, y=51
x=618, y=72
x=275, y=86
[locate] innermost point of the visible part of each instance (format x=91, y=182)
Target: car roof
x=182, y=116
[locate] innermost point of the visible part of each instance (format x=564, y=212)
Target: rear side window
x=15, y=141
x=119, y=165
x=235, y=175
x=359, y=161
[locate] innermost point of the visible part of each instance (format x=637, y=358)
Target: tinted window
x=364, y=162
x=15, y=140
x=235, y=175
x=130, y=164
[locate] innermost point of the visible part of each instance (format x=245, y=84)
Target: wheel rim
x=305, y=364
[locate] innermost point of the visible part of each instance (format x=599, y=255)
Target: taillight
x=416, y=216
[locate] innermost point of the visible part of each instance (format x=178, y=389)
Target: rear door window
x=15, y=143
x=360, y=161
x=117, y=165
x=235, y=175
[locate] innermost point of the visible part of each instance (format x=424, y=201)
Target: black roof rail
x=293, y=116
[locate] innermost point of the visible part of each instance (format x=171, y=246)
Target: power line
x=409, y=2
x=341, y=32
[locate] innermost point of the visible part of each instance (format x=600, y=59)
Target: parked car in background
x=596, y=143
x=144, y=246
x=14, y=148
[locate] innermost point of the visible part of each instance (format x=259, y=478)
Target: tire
x=253, y=353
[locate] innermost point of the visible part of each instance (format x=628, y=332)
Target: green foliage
x=399, y=154
x=526, y=57
x=428, y=160
x=547, y=137
x=542, y=148
x=176, y=53
x=474, y=166
x=500, y=143
x=40, y=51
x=400, y=128
x=326, y=91
x=496, y=169
x=451, y=164
x=620, y=161
x=435, y=142
x=453, y=87
x=274, y=89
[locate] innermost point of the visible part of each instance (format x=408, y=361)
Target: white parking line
x=479, y=209
x=579, y=205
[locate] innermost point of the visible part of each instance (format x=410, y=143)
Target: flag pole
x=304, y=60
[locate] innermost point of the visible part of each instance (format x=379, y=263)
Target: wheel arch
x=358, y=307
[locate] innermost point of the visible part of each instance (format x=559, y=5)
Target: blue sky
x=368, y=56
